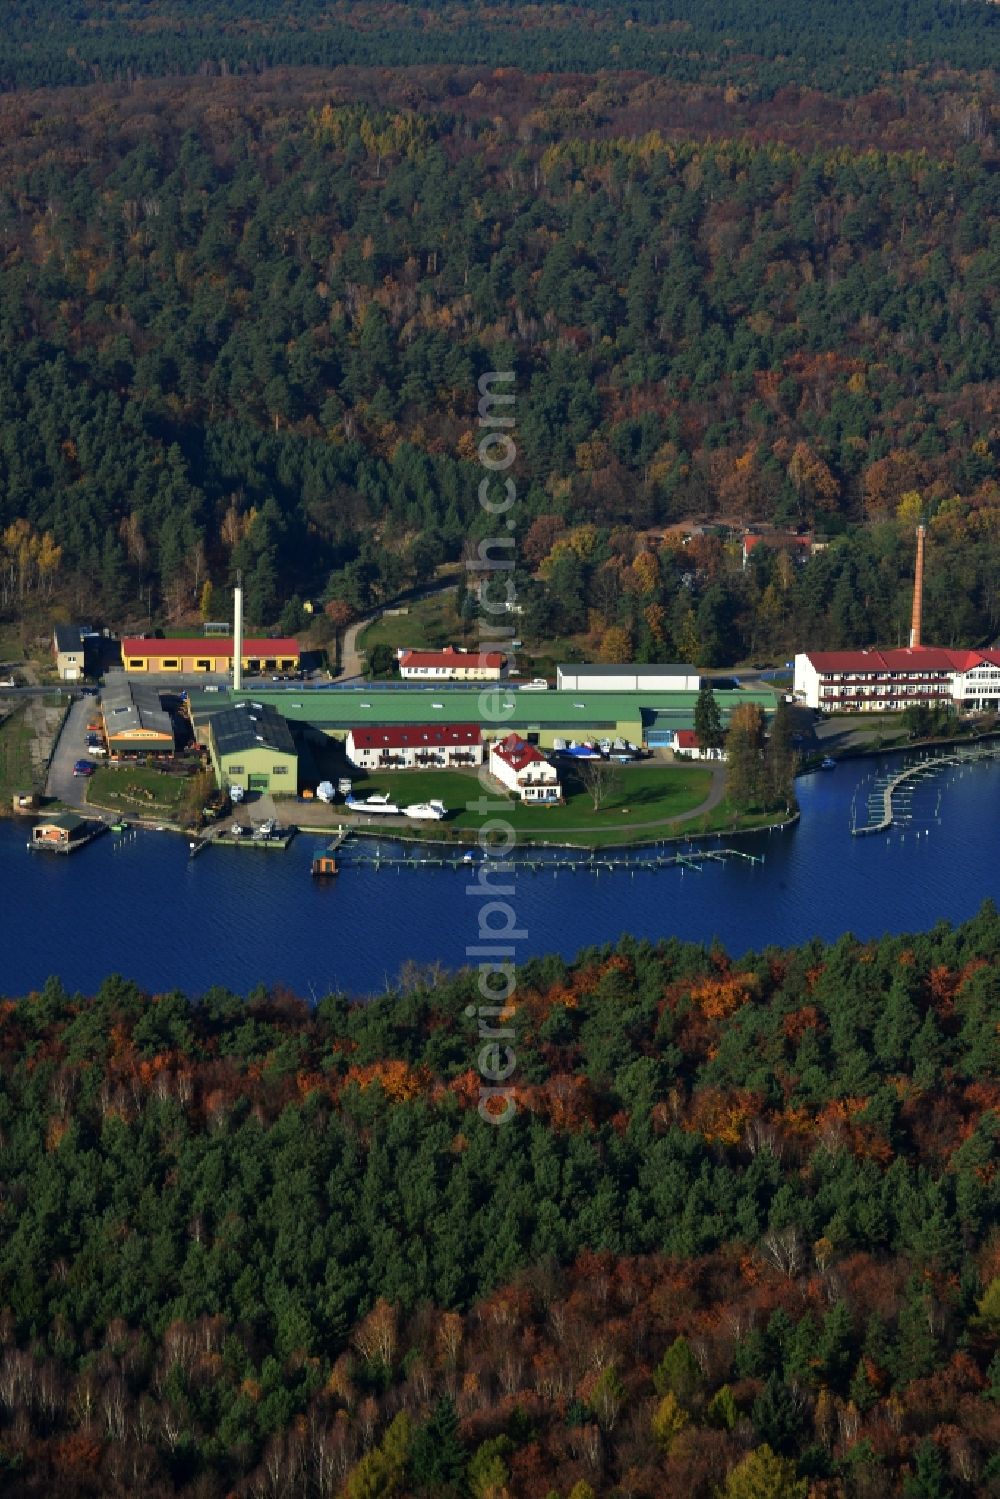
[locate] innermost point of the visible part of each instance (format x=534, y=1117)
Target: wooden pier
x=589, y=862
x=223, y=839
x=882, y=803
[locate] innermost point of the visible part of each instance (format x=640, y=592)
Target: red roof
x=686, y=739
x=452, y=657
x=920, y=658
x=846, y=660
x=518, y=753
x=414, y=735
x=917, y=658
x=207, y=646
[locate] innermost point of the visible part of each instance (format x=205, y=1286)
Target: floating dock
x=280, y=839
x=897, y=789
x=586, y=862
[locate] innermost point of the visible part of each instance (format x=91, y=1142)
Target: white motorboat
x=381, y=804
x=432, y=811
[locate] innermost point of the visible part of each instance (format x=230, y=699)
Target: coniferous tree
x=708, y=719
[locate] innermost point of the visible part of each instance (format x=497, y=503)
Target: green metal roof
x=70, y=822
x=502, y=708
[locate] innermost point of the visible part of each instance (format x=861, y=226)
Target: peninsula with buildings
x=228, y=734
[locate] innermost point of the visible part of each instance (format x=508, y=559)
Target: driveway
x=70, y=747
x=352, y=659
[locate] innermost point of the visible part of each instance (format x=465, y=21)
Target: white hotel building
x=889, y=681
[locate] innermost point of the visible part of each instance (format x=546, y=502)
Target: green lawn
x=15, y=757
x=430, y=623
x=136, y=789
x=644, y=794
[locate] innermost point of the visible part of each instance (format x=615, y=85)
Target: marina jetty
x=883, y=802
x=535, y=860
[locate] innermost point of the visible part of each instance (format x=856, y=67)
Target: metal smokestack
x=918, y=590
x=238, y=634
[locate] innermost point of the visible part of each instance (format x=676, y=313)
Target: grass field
x=136, y=789
x=15, y=757
x=644, y=794
x=430, y=623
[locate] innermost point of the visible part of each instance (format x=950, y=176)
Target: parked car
x=83, y=768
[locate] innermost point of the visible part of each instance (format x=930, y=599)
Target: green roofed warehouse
x=251, y=746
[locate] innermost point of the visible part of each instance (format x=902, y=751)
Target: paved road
x=70, y=747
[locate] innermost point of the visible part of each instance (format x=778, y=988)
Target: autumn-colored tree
x=669, y=1420
x=339, y=612
x=910, y=510
x=813, y=480
x=762, y=1474
x=540, y=537
x=644, y=574
x=745, y=757
x=616, y=646
x=655, y=617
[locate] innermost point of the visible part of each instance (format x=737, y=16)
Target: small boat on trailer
x=432, y=811
x=381, y=805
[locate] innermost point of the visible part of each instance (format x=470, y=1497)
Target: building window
x=203, y=665
x=136, y=663
x=234, y=770
x=170, y=663
x=279, y=770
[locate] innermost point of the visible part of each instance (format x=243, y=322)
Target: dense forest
x=740, y=1236
x=242, y=322
x=845, y=46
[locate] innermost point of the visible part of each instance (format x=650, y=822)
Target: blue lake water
x=141, y=907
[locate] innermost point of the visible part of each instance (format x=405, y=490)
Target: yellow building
x=135, y=720
x=191, y=656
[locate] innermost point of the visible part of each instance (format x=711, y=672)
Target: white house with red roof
x=451, y=665
x=888, y=681
x=422, y=746
x=523, y=769
x=687, y=743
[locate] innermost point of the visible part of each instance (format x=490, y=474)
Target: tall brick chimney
x=918, y=589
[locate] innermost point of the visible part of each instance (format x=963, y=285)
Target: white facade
x=420, y=747
x=688, y=744
x=978, y=687
x=451, y=665
x=888, y=681
x=629, y=678
x=70, y=666
x=805, y=682
x=524, y=770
